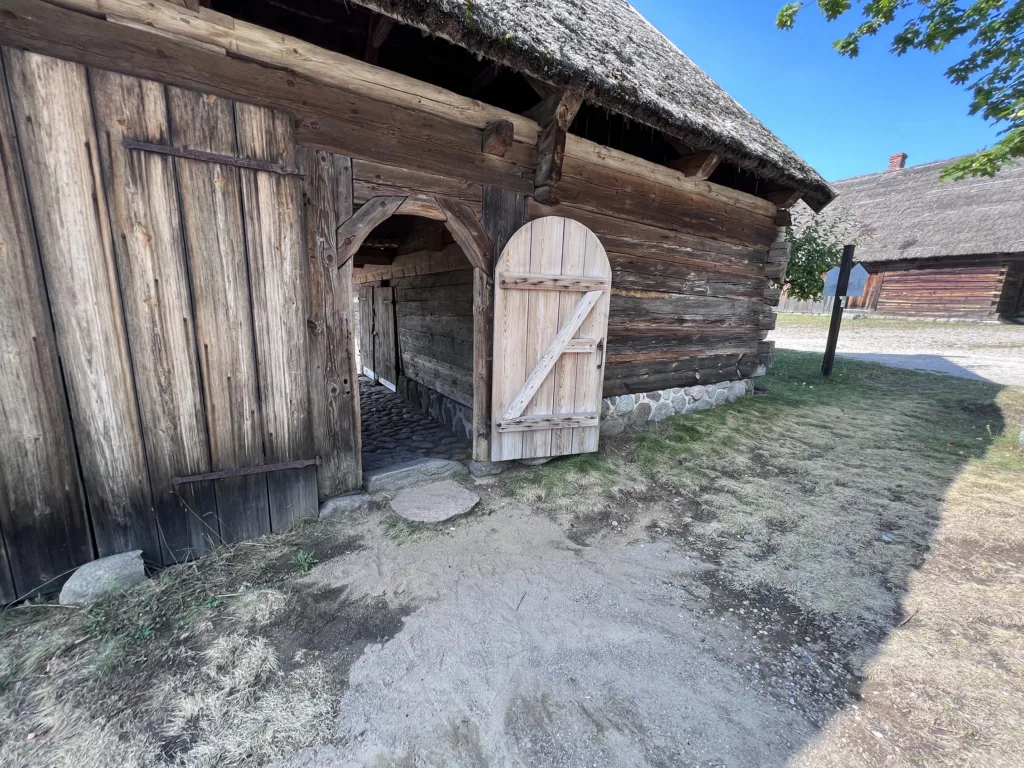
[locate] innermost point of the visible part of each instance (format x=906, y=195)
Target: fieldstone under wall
x=455, y=415
x=622, y=411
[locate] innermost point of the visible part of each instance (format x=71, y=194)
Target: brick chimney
x=897, y=161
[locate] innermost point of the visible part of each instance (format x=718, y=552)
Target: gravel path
x=975, y=351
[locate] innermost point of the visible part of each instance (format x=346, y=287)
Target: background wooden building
x=193, y=197
x=937, y=249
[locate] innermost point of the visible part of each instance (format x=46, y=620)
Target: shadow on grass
x=817, y=501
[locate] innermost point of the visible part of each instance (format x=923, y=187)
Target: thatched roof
x=624, y=64
x=911, y=214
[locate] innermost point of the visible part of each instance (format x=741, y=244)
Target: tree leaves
x=993, y=71
x=813, y=251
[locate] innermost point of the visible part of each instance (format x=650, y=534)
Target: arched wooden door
x=552, y=286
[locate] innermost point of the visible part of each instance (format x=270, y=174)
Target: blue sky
x=843, y=116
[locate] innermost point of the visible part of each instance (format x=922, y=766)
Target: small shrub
x=303, y=562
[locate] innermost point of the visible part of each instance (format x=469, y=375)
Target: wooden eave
x=215, y=32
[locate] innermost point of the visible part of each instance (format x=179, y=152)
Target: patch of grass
x=303, y=562
x=106, y=686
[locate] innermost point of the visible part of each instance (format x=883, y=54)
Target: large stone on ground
x=486, y=468
x=535, y=462
x=434, y=503
x=400, y=476
x=103, y=577
x=345, y=505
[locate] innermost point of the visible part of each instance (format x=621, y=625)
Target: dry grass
x=188, y=669
x=861, y=501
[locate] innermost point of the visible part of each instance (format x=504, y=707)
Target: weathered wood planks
x=212, y=222
x=59, y=150
x=42, y=511
x=385, y=336
x=534, y=379
x=333, y=375
x=275, y=245
x=146, y=230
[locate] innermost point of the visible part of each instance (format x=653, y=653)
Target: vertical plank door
x=42, y=512
x=146, y=225
x=54, y=119
x=272, y=204
x=211, y=210
x=385, y=344
x=552, y=288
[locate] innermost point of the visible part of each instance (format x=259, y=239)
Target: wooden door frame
x=478, y=247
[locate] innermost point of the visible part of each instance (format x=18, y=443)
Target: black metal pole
x=837, y=310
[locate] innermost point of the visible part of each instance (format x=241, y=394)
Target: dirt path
x=529, y=650
x=991, y=352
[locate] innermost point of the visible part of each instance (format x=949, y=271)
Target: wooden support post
x=837, y=310
x=333, y=378
x=699, y=165
x=380, y=28
x=498, y=137
x=784, y=198
x=551, y=142
x=504, y=213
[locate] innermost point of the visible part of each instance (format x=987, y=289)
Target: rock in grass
x=486, y=468
x=102, y=577
x=434, y=503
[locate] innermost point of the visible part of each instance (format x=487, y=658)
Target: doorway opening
x=414, y=308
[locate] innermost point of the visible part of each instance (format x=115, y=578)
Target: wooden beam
x=559, y=107
x=469, y=234
x=354, y=231
x=373, y=257
x=421, y=205
x=485, y=78
x=784, y=198
x=498, y=137
x=699, y=165
x=532, y=423
x=784, y=218
x=540, y=282
x=551, y=142
x=380, y=28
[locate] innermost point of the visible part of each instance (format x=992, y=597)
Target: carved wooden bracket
x=458, y=218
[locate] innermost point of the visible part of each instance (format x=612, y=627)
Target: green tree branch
x=993, y=71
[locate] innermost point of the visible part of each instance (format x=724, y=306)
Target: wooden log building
x=538, y=203
x=937, y=249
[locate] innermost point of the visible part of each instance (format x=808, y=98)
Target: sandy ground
x=529, y=650
x=972, y=350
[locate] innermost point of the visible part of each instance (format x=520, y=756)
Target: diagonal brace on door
x=554, y=351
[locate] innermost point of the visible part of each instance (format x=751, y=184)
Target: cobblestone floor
x=395, y=432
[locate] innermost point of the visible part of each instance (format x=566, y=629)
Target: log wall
x=954, y=287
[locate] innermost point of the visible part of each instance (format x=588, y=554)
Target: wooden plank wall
x=435, y=331
x=956, y=288
x=177, y=345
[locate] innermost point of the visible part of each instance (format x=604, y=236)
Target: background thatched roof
x=625, y=64
x=911, y=214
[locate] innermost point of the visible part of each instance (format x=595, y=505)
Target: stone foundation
x=618, y=413
x=454, y=415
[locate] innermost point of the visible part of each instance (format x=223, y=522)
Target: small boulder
x=345, y=505
x=535, y=462
x=434, y=503
x=612, y=427
x=486, y=468
x=102, y=577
